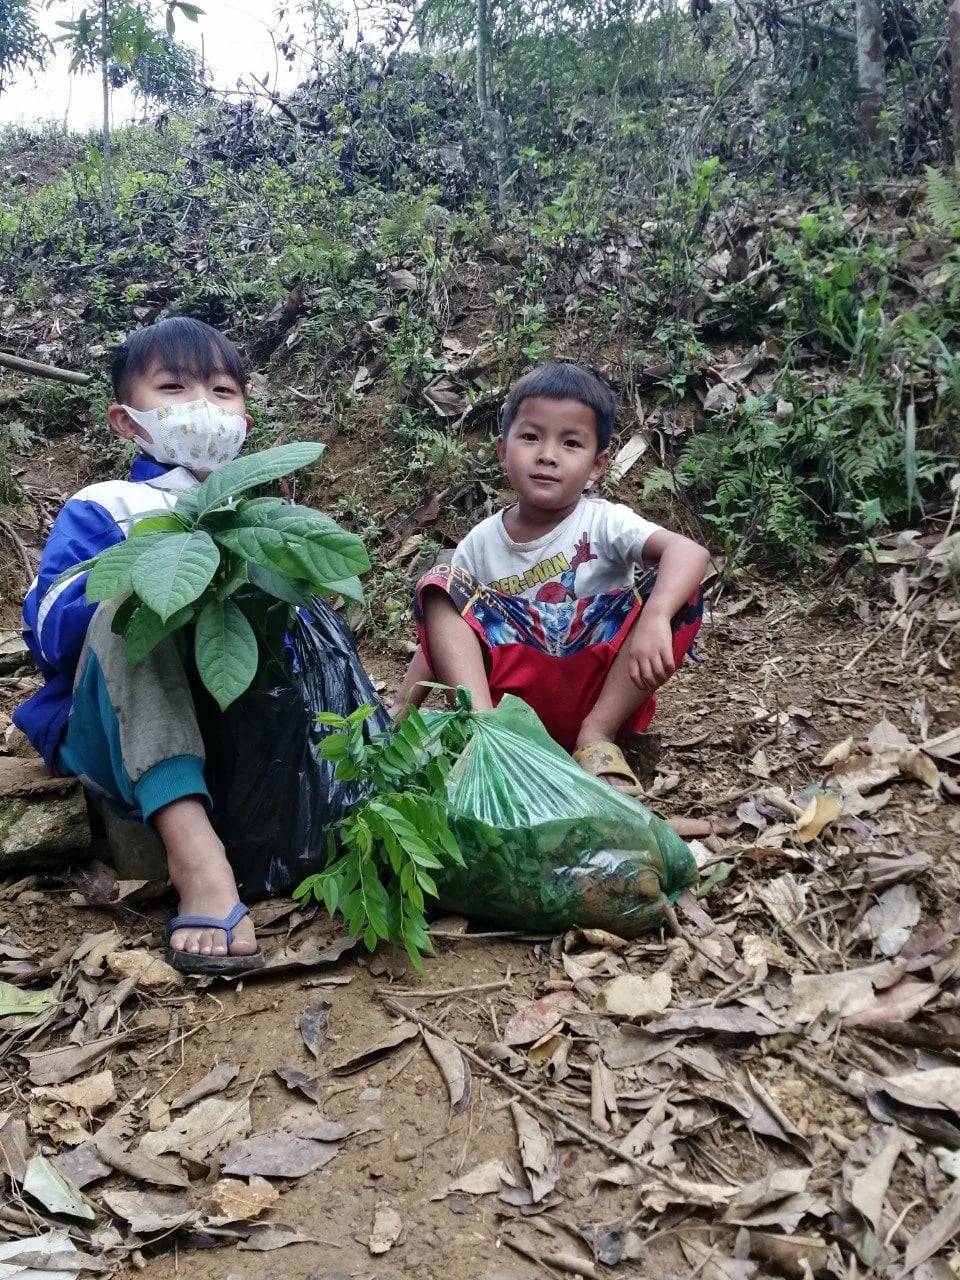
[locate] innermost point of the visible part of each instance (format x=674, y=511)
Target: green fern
x=943, y=201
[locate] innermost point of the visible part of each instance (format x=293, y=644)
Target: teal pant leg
x=132, y=733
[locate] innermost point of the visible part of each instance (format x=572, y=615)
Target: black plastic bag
x=274, y=796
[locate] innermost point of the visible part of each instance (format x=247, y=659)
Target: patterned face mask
x=197, y=435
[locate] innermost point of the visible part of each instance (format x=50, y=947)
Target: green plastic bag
x=548, y=847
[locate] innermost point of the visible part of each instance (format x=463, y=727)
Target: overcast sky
x=237, y=39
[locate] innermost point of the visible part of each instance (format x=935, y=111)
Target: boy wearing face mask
x=132, y=735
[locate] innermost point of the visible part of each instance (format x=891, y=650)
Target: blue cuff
x=170, y=780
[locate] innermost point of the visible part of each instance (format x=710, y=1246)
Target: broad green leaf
x=111, y=575
x=302, y=521
x=267, y=547
x=254, y=469
x=237, y=577
x=123, y=613
x=145, y=629
x=74, y=571
x=162, y=522
x=349, y=588
x=293, y=591
x=332, y=555
x=257, y=511
x=175, y=572
x=226, y=651
x=186, y=506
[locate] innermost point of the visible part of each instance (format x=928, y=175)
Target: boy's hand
x=651, y=650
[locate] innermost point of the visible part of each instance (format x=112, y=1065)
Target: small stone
x=404, y=1154
x=369, y=1095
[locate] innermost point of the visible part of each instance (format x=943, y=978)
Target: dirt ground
x=781, y=679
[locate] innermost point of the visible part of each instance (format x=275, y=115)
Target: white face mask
x=197, y=435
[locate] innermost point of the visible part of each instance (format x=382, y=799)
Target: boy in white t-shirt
x=540, y=600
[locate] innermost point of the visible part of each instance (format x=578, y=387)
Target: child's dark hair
x=180, y=344
x=563, y=381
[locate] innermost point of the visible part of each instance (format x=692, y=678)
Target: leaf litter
x=778, y=1072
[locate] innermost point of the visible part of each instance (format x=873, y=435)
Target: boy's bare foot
x=204, y=881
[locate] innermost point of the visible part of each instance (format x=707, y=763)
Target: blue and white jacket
x=56, y=617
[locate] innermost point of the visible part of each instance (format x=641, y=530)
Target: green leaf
x=175, y=572
x=263, y=546
x=123, y=613
x=186, y=506
x=145, y=629
x=111, y=575
x=160, y=523
x=349, y=588
x=237, y=577
x=293, y=591
x=332, y=555
x=257, y=511
x=254, y=469
x=226, y=651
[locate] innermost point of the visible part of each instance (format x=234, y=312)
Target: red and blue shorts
x=555, y=656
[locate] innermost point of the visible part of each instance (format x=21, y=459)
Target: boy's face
x=550, y=453
x=158, y=387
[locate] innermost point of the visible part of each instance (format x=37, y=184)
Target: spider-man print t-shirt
x=594, y=550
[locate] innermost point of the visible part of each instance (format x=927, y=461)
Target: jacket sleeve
x=57, y=614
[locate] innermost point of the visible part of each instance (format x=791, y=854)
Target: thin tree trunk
x=953, y=22
x=489, y=114
x=871, y=77
x=105, y=83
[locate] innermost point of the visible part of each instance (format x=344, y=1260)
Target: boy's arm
x=411, y=693
x=681, y=564
x=57, y=614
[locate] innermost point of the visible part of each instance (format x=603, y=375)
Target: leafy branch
x=231, y=567
x=392, y=842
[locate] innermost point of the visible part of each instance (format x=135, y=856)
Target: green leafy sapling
x=233, y=568
x=392, y=842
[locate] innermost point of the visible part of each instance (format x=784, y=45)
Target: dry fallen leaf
x=387, y=1225
x=820, y=813
x=711, y=1264
x=313, y=1025
x=15, y=1148
x=266, y=1238
x=89, y=1095
x=45, y=1184
x=213, y=1082
x=777, y=1185
x=919, y=765
x=535, y=1019
x=277, y=1154
x=238, y=1201
x=310, y=1086
x=209, y=1124
x=148, y=1212
x=890, y=921
x=138, y=1166
x=483, y=1180
x=454, y=1068
x=537, y=1152
x=837, y=754
x=867, y=1169
x=367, y=1057
x=630, y=996
x=149, y=971
x=941, y=1229
x=54, y=1066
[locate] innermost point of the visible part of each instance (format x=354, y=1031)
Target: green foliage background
x=642, y=147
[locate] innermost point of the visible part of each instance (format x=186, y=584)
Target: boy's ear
x=600, y=464
x=501, y=449
x=249, y=423
x=121, y=424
